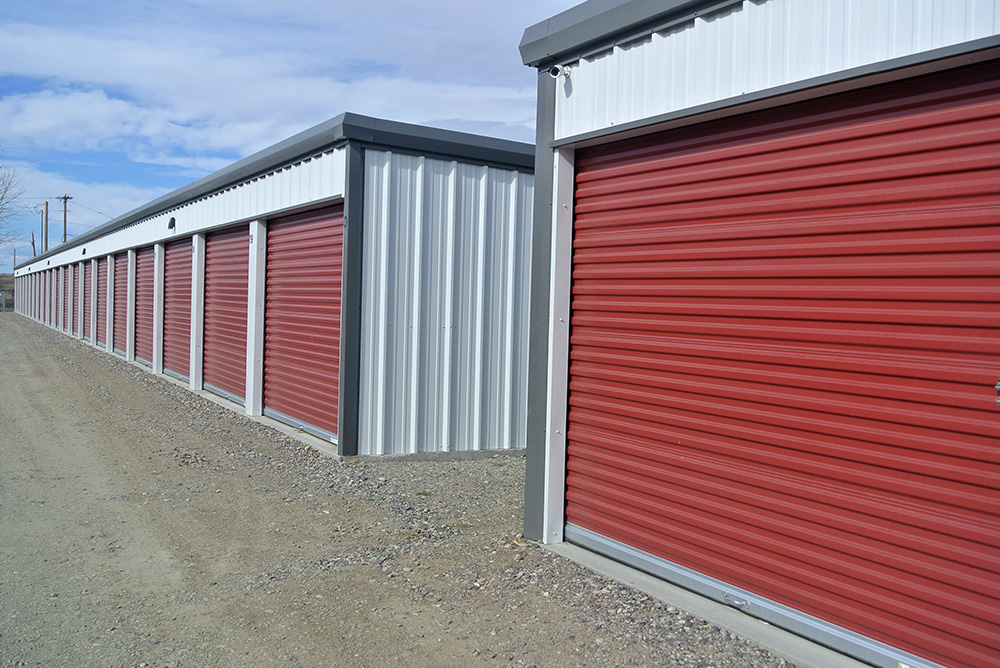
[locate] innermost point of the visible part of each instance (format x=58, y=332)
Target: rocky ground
x=143, y=525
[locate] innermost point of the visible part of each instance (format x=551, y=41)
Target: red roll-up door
x=49, y=306
x=177, y=308
x=302, y=319
x=67, y=298
x=227, y=257
x=145, y=264
x=74, y=322
x=56, y=298
x=783, y=355
x=88, y=274
x=120, y=324
x=102, y=301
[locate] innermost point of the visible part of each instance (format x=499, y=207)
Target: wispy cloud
x=117, y=103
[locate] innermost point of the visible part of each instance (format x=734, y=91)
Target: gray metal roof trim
x=342, y=128
x=592, y=22
x=425, y=139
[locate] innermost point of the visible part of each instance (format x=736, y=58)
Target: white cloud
x=193, y=85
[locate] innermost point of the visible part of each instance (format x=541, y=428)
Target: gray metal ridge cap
x=428, y=139
x=592, y=22
x=344, y=127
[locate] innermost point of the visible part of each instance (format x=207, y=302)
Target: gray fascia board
x=594, y=22
x=446, y=143
x=338, y=130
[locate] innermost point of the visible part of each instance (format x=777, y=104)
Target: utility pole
x=33, y=253
x=45, y=244
x=65, y=199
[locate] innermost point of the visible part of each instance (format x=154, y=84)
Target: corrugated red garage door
x=102, y=301
x=76, y=298
x=177, y=308
x=49, y=292
x=227, y=257
x=120, y=324
x=145, y=263
x=67, y=298
x=784, y=346
x=302, y=319
x=88, y=274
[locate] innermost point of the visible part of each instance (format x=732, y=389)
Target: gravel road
x=144, y=525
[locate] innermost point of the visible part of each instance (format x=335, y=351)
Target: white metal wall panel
x=752, y=46
x=317, y=178
x=444, y=314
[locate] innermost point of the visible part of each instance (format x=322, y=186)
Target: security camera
x=557, y=71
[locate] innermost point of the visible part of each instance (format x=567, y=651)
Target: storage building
x=766, y=366
x=365, y=281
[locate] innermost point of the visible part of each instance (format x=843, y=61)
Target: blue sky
x=116, y=103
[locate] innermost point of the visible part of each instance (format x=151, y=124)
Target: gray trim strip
x=333, y=133
x=144, y=362
x=538, y=336
x=348, y=417
x=174, y=374
x=813, y=628
x=571, y=33
x=299, y=424
x=225, y=395
x=947, y=57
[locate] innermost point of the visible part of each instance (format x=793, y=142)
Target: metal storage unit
x=101, y=335
x=144, y=278
x=773, y=318
x=302, y=320
x=415, y=235
x=227, y=256
x=177, y=309
x=120, y=333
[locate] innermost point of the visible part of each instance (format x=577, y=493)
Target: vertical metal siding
x=227, y=257
x=145, y=262
x=783, y=351
x=178, y=265
x=120, y=334
x=753, y=46
x=444, y=317
x=102, y=301
x=302, y=318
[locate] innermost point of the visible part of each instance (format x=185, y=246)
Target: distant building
x=365, y=281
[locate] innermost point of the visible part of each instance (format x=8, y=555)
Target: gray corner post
x=255, y=318
x=538, y=338
x=159, y=259
x=197, y=311
x=130, y=306
x=351, y=303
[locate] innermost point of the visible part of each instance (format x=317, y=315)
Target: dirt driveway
x=143, y=525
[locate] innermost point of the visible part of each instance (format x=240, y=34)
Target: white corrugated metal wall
x=445, y=306
x=754, y=45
